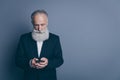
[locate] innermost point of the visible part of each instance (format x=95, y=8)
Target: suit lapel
x=44, y=47
x=34, y=50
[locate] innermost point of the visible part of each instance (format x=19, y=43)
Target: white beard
x=40, y=35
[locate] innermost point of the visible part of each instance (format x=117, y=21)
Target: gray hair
x=36, y=12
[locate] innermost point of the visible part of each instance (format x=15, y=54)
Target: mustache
x=39, y=31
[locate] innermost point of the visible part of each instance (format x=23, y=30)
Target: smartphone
x=37, y=61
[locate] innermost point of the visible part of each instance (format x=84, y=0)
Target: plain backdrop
x=89, y=32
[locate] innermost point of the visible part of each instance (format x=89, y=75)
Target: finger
x=40, y=66
x=34, y=59
x=43, y=58
x=37, y=64
x=44, y=63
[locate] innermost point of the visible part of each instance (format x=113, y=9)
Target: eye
x=42, y=24
x=36, y=24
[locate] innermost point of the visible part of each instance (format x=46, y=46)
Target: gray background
x=89, y=32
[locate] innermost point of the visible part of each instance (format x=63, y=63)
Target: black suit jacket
x=27, y=49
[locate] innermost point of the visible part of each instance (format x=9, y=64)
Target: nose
x=39, y=27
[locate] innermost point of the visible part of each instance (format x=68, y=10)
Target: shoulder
x=25, y=36
x=53, y=35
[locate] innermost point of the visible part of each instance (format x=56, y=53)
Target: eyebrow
x=39, y=24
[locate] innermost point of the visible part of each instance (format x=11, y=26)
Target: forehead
x=40, y=17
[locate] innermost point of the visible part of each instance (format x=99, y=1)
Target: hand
x=33, y=62
x=42, y=64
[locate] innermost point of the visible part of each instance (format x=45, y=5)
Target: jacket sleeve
x=20, y=57
x=57, y=58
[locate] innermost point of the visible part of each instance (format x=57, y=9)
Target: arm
x=57, y=58
x=20, y=58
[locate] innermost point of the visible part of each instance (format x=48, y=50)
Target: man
x=39, y=52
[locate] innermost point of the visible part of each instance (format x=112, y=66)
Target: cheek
x=44, y=27
x=35, y=28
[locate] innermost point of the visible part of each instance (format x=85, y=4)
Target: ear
x=32, y=24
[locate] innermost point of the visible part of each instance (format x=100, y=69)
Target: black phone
x=37, y=61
